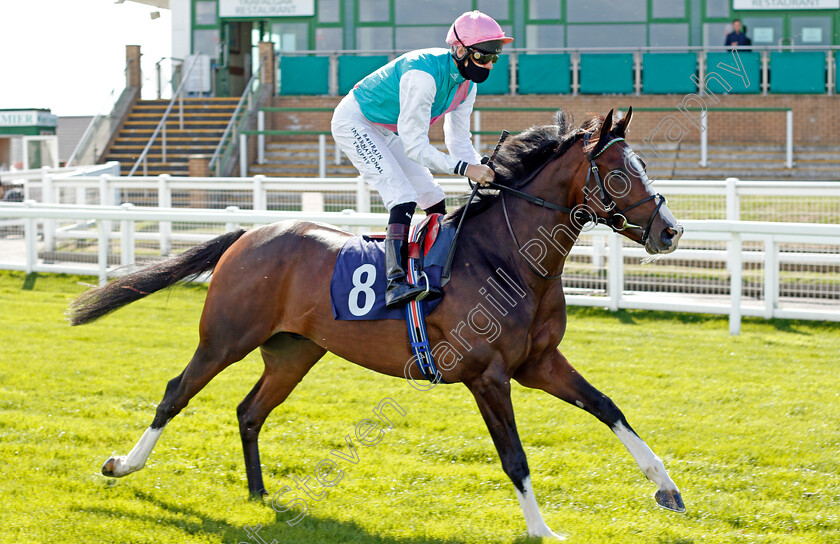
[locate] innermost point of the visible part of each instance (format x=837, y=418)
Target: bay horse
x=270, y=289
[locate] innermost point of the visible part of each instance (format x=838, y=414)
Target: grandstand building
x=668, y=59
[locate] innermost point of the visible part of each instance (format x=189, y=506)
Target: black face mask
x=469, y=70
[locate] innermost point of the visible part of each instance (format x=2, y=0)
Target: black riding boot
x=399, y=292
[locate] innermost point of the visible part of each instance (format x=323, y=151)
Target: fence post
x=48, y=197
x=765, y=72
x=514, y=59
x=127, y=237
x=733, y=201
x=789, y=139
x=243, y=155
x=637, y=72
x=615, y=272
x=165, y=201
x=704, y=139
x=30, y=235
x=829, y=71
x=231, y=225
x=261, y=137
x=103, y=243
x=362, y=196
x=322, y=155
x=575, y=74
x=259, y=193
x=735, y=264
x=333, y=75
x=733, y=213
x=476, y=130
x=771, y=276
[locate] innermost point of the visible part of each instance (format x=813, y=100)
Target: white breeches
x=379, y=156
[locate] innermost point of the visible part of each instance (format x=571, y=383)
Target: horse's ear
x=623, y=123
x=606, y=127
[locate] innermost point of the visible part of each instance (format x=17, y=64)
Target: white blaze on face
x=635, y=165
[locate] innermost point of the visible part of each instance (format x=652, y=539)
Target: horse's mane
x=520, y=155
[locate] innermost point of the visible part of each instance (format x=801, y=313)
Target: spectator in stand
x=736, y=38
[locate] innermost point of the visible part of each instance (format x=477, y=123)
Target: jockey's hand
x=480, y=173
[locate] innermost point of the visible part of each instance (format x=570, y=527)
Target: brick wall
x=816, y=117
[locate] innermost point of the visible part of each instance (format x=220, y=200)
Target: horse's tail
x=187, y=266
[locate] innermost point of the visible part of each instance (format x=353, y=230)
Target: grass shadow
x=29, y=282
x=309, y=529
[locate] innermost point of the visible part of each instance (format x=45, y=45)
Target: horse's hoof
x=670, y=500
x=108, y=468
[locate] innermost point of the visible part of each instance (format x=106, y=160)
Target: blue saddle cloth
x=357, y=288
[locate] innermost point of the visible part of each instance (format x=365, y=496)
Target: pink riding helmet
x=475, y=27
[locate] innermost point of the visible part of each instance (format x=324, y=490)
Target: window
x=329, y=39
x=205, y=12
x=497, y=9
x=290, y=36
x=811, y=30
x=715, y=33
x=544, y=36
x=761, y=30
x=206, y=42
x=374, y=11
x=606, y=35
x=374, y=37
x=668, y=34
x=717, y=8
x=668, y=9
x=544, y=9
x=420, y=37
x=597, y=11
x=429, y=11
x=328, y=11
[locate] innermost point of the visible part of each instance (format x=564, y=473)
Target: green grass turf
x=748, y=427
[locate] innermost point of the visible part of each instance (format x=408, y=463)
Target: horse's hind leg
x=555, y=375
x=287, y=360
x=203, y=367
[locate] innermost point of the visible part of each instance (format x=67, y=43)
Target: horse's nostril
x=667, y=235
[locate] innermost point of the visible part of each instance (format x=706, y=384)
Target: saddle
x=357, y=288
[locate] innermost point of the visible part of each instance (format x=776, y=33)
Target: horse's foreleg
x=287, y=360
x=492, y=394
x=201, y=369
x=555, y=375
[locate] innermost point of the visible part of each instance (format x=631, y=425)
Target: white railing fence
x=737, y=268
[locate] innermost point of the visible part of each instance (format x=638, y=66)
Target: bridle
x=616, y=217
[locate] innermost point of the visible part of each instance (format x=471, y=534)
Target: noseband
x=616, y=219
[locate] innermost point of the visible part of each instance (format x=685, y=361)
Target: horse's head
x=619, y=193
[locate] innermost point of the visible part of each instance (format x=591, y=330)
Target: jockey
x=382, y=125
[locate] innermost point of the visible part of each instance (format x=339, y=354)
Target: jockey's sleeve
x=417, y=92
x=456, y=131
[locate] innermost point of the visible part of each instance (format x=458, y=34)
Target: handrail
x=94, y=124
x=162, y=123
x=646, y=48
x=233, y=118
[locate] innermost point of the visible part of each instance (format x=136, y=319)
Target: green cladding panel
x=747, y=80
x=499, y=80
x=667, y=73
x=802, y=72
x=304, y=75
x=606, y=73
x=352, y=69
x=544, y=74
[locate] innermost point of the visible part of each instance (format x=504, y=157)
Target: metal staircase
x=204, y=122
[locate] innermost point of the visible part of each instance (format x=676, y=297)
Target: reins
x=616, y=220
